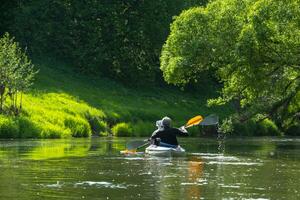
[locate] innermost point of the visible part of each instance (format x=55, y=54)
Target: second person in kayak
x=165, y=135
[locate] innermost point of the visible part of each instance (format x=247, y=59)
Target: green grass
x=122, y=130
x=51, y=115
x=64, y=103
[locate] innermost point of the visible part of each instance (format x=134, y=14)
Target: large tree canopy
x=252, y=46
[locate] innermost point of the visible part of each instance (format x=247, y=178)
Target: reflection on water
x=259, y=168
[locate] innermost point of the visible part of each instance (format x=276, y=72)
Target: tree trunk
x=20, y=108
x=1, y=103
x=2, y=90
x=15, y=104
x=12, y=97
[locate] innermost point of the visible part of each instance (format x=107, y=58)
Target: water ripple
x=233, y=163
x=99, y=184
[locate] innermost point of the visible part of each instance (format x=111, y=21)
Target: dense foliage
x=119, y=39
x=122, y=129
x=251, y=46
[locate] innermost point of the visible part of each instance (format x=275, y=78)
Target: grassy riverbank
x=64, y=103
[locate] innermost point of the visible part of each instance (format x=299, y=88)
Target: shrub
x=102, y=128
x=78, y=126
x=8, y=127
x=244, y=129
x=122, y=129
x=27, y=128
x=97, y=125
x=93, y=112
x=143, y=129
x=267, y=128
x=253, y=128
x=53, y=131
x=227, y=126
x=112, y=118
x=104, y=133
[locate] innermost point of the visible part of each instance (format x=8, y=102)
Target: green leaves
x=183, y=54
x=117, y=39
x=16, y=72
x=252, y=46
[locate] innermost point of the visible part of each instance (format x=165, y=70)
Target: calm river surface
x=256, y=168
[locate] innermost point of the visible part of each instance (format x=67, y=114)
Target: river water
x=255, y=168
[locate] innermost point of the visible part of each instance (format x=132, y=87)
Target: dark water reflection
x=255, y=168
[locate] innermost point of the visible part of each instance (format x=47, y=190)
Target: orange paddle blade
x=127, y=152
x=194, y=121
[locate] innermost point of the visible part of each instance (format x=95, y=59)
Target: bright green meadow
x=63, y=103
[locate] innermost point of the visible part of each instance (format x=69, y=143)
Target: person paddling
x=165, y=135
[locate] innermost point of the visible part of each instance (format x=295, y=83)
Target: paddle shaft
x=142, y=145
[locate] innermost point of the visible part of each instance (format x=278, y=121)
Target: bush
x=98, y=126
x=27, y=128
x=245, y=129
x=227, y=126
x=8, y=127
x=78, y=126
x=112, y=118
x=53, y=131
x=101, y=128
x=93, y=112
x=267, y=128
x=104, y=133
x=122, y=130
x=253, y=128
x=143, y=129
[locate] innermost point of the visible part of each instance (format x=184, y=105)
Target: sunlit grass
x=64, y=103
x=58, y=115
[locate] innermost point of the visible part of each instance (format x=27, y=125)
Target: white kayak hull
x=164, y=151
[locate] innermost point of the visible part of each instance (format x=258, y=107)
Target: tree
x=16, y=73
x=117, y=39
x=251, y=46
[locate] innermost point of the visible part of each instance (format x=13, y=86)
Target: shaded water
x=257, y=168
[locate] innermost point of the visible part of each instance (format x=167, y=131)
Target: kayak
x=164, y=151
